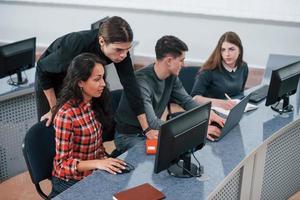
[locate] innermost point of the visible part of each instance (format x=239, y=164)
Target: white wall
x=200, y=32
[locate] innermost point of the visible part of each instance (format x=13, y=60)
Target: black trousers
x=42, y=104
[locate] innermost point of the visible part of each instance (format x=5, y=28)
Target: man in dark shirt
x=159, y=84
x=111, y=42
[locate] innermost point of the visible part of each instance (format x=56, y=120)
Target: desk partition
x=272, y=171
x=18, y=114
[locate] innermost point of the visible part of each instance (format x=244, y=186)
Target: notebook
x=248, y=108
x=234, y=117
x=140, y=192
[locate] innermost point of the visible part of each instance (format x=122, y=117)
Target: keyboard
x=259, y=94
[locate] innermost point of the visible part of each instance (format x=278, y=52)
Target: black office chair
x=116, y=96
x=39, y=150
x=187, y=76
x=96, y=24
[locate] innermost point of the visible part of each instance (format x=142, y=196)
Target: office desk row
x=258, y=159
x=17, y=114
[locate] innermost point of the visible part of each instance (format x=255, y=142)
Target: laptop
x=234, y=117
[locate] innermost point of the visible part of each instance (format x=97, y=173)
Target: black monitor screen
x=16, y=57
x=283, y=83
x=178, y=138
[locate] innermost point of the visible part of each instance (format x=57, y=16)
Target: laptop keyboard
x=259, y=94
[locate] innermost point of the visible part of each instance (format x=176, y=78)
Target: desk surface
x=218, y=159
x=9, y=91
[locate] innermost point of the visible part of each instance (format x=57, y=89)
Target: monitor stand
x=17, y=80
x=283, y=107
x=181, y=168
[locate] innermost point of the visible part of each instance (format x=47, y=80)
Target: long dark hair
x=81, y=69
x=215, y=59
x=115, y=29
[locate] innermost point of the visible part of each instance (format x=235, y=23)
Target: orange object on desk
x=151, y=146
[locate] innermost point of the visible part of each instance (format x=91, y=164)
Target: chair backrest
x=116, y=96
x=96, y=24
x=187, y=76
x=39, y=150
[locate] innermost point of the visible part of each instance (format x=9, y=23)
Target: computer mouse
x=128, y=168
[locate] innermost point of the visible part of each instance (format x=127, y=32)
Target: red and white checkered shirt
x=78, y=136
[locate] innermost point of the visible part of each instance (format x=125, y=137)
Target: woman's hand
x=47, y=116
x=225, y=104
x=111, y=165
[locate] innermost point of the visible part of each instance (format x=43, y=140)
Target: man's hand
x=225, y=104
x=216, y=118
x=47, y=116
x=152, y=134
x=213, y=132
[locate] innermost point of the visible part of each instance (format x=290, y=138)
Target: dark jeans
x=59, y=185
x=124, y=142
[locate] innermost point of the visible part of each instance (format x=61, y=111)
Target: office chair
x=39, y=150
x=187, y=76
x=116, y=96
x=96, y=24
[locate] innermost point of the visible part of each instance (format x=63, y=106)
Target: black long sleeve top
x=215, y=83
x=53, y=64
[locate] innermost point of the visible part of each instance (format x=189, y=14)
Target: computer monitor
x=178, y=139
x=16, y=57
x=283, y=83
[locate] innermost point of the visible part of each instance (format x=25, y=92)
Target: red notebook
x=140, y=192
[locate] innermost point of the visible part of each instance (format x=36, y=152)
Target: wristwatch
x=146, y=130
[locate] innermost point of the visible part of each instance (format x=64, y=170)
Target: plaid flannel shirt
x=78, y=136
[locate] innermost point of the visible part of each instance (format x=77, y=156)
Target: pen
x=228, y=97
